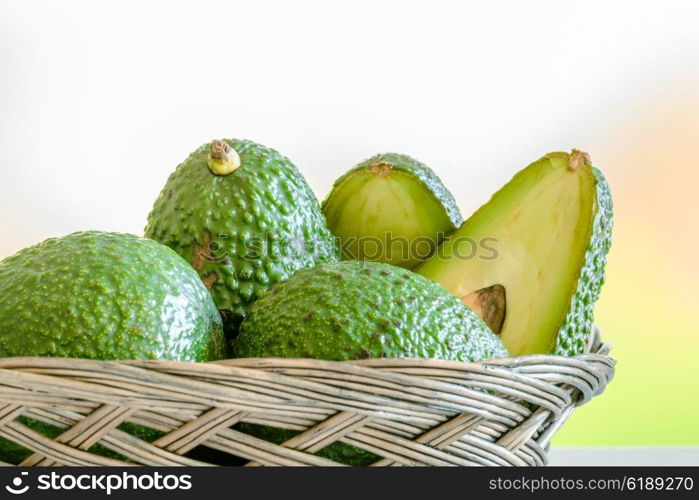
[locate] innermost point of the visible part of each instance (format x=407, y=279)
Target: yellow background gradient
x=649, y=308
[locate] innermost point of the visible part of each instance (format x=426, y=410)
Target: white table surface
x=624, y=456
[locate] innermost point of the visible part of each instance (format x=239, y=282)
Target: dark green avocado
x=392, y=209
x=244, y=217
x=103, y=296
x=356, y=310
x=106, y=296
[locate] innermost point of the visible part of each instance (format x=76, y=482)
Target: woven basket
x=407, y=411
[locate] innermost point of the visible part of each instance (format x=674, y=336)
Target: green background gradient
x=649, y=306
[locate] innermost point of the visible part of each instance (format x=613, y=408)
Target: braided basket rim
x=407, y=411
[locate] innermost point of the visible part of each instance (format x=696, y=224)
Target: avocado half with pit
x=547, y=232
x=390, y=209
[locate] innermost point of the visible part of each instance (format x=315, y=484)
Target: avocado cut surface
x=356, y=310
x=244, y=217
x=106, y=296
x=548, y=232
x=391, y=209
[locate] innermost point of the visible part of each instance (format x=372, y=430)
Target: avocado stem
x=577, y=159
x=381, y=168
x=223, y=159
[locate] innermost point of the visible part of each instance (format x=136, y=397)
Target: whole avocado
x=244, y=217
x=103, y=295
x=354, y=310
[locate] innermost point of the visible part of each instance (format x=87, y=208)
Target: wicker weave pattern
x=408, y=411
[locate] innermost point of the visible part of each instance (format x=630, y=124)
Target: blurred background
x=99, y=101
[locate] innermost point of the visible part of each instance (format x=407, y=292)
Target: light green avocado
x=103, y=296
x=106, y=296
x=356, y=310
x=392, y=209
x=540, y=252
x=244, y=217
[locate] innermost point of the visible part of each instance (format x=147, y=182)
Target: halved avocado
x=540, y=251
x=391, y=209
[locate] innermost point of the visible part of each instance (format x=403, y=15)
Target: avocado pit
x=489, y=304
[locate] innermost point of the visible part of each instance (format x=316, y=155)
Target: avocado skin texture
x=245, y=231
x=410, y=167
x=577, y=326
x=356, y=310
x=105, y=296
x=102, y=295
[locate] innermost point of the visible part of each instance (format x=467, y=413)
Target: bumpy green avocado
x=245, y=218
x=392, y=209
x=355, y=310
x=531, y=261
x=106, y=296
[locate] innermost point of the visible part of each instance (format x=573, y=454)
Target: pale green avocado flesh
x=390, y=209
x=543, y=237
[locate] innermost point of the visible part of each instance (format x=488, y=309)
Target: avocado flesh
x=387, y=210
x=544, y=226
x=245, y=218
x=390, y=209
